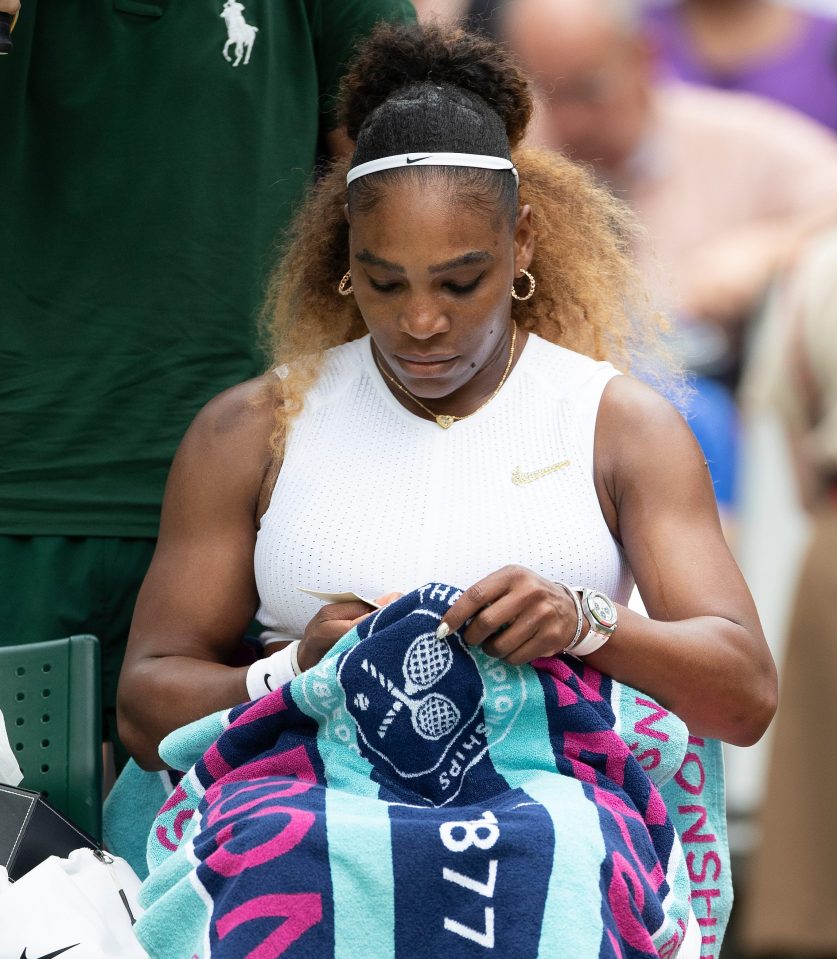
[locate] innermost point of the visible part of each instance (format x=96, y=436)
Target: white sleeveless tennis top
x=373, y=499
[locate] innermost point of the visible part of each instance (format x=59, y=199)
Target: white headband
x=432, y=159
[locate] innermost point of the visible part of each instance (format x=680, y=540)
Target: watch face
x=602, y=608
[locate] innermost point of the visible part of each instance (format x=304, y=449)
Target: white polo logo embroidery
x=240, y=34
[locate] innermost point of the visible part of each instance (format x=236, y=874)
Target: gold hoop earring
x=531, y=291
x=342, y=288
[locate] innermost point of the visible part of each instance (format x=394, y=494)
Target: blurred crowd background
x=716, y=121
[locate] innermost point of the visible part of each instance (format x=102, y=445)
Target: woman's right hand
x=332, y=622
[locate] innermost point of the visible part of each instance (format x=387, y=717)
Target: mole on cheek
x=473, y=365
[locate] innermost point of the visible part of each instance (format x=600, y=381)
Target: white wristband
x=279, y=668
x=294, y=648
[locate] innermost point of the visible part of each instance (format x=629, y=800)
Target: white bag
x=82, y=906
x=10, y=773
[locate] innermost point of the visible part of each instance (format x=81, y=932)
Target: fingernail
x=442, y=631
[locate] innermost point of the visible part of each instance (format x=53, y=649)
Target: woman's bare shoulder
x=634, y=415
x=240, y=420
x=226, y=452
x=646, y=452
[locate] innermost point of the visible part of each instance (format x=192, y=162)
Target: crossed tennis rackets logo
x=425, y=663
x=413, y=697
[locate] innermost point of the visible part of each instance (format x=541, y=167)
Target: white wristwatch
x=600, y=612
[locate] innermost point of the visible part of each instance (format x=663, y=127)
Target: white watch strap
x=592, y=641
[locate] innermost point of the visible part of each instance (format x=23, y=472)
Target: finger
x=360, y=619
x=492, y=619
x=329, y=633
x=388, y=598
x=503, y=644
x=345, y=611
x=526, y=652
x=320, y=636
x=487, y=590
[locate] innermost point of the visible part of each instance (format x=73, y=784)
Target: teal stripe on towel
x=360, y=866
x=315, y=692
x=182, y=907
x=521, y=687
x=572, y=917
x=352, y=809
x=572, y=922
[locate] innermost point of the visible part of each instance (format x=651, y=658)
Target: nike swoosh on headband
x=477, y=160
x=51, y=955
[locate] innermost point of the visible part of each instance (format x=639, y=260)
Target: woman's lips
x=425, y=366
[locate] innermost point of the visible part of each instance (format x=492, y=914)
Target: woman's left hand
x=515, y=615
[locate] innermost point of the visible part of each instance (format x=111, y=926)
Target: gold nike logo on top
x=519, y=478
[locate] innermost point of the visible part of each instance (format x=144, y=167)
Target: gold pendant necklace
x=446, y=420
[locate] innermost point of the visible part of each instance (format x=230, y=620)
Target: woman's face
x=432, y=278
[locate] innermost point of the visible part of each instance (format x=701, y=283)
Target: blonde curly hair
x=589, y=297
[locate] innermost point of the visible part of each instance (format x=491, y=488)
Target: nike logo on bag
x=519, y=478
x=416, y=159
x=49, y=955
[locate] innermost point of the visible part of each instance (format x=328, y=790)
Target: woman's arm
x=199, y=595
x=702, y=654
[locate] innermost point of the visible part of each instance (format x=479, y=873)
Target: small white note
x=346, y=597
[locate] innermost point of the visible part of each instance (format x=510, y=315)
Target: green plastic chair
x=50, y=697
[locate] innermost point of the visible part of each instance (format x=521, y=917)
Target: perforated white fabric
x=373, y=499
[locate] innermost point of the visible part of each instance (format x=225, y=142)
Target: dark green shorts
x=54, y=586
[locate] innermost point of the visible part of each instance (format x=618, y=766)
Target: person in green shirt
x=153, y=152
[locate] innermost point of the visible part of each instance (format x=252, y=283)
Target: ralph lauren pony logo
x=241, y=35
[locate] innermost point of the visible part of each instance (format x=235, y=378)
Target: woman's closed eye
x=458, y=289
x=462, y=289
x=384, y=287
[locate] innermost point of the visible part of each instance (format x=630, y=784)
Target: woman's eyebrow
x=475, y=256
x=365, y=256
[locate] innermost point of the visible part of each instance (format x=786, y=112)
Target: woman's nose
x=422, y=319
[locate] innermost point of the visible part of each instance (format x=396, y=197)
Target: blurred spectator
x=713, y=416
x=475, y=15
x=484, y=16
x=152, y=153
x=445, y=11
x=727, y=185
x=753, y=46
x=790, y=909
